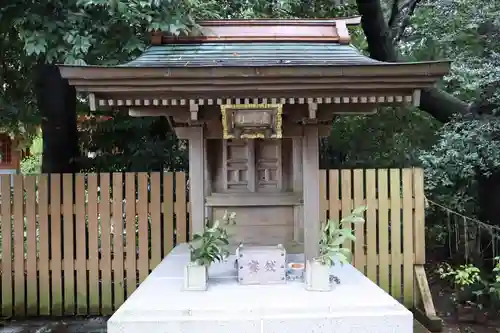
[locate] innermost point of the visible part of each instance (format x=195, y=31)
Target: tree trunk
x=437, y=103
x=57, y=103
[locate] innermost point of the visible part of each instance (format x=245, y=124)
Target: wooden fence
x=108, y=231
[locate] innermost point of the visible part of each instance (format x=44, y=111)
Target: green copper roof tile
x=250, y=55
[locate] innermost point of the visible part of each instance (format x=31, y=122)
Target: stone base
x=357, y=305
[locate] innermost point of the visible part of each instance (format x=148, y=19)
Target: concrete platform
x=160, y=305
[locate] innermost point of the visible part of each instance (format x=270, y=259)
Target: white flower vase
x=317, y=276
x=195, y=277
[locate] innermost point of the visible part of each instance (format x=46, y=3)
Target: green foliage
x=465, y=280
x=390, y=138
x=106, y=32
x=334, y=234
x=465, y=31
x=212, y=245
x=109, y=32
x=78, y=32
x=471, y=286
x=463, y=276
x=466, y=148
x=124, y=143
x=493, y=287
x=33, y=163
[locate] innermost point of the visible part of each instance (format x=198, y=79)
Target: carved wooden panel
x=252, y=165
x=235, y=163
x=268, y=165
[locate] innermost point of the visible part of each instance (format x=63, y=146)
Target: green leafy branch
x=211, y=245
x=334, y=234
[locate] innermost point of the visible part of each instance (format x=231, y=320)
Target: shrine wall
x=260, y=225
x=254, y=179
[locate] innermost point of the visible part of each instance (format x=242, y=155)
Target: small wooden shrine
x=11, y=153
x=252, y=98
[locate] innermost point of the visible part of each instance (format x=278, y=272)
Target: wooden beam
x=428, y=316
x=116, y=264
x=193, y=110
x=313, y=108
x=328, y=203
x=343, y=32
x=418, y=327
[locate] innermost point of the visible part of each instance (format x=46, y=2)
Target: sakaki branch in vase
x=333, y=235
x=205, y=249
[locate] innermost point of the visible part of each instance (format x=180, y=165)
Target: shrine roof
x=250, y=54
x=254, y=58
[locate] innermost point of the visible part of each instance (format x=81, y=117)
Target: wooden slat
x=346, y=194
x=130, y=245
x=31, y=247
x=143, y=237
x=6, y=213
x=396, y=257
x=81, y=246
x=55, y=244
x=155, y=213
x=117, y=227
x=359, y=231
x=383, y=228
x=105, y=262
x=407, y=238
x=43, y=260
x=18, y=214
x=180, y=208
x=371, y=226
x=168, y=212
x=93, y=247
x=323, y=204
x=333, y=195
x=419, y=216
x=68, y=243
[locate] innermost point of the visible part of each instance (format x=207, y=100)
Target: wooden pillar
x=310, y=162
x=298, y=178
x=196, y=178
x=207, y=179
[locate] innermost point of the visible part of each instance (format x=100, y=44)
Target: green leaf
x=359, y=210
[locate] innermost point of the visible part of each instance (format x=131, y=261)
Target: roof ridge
x=332, y=30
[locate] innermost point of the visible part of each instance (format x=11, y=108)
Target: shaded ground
x=98, y=325
x=445, y=309
x=82, y=325
x=69, y=325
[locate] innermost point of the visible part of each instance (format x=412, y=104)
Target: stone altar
x=357, y=305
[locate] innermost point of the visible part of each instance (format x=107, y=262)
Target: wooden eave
x=224, y=82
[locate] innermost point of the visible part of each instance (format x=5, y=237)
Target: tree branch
x=394, y=13
x=411, y=5
x=437, y=103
